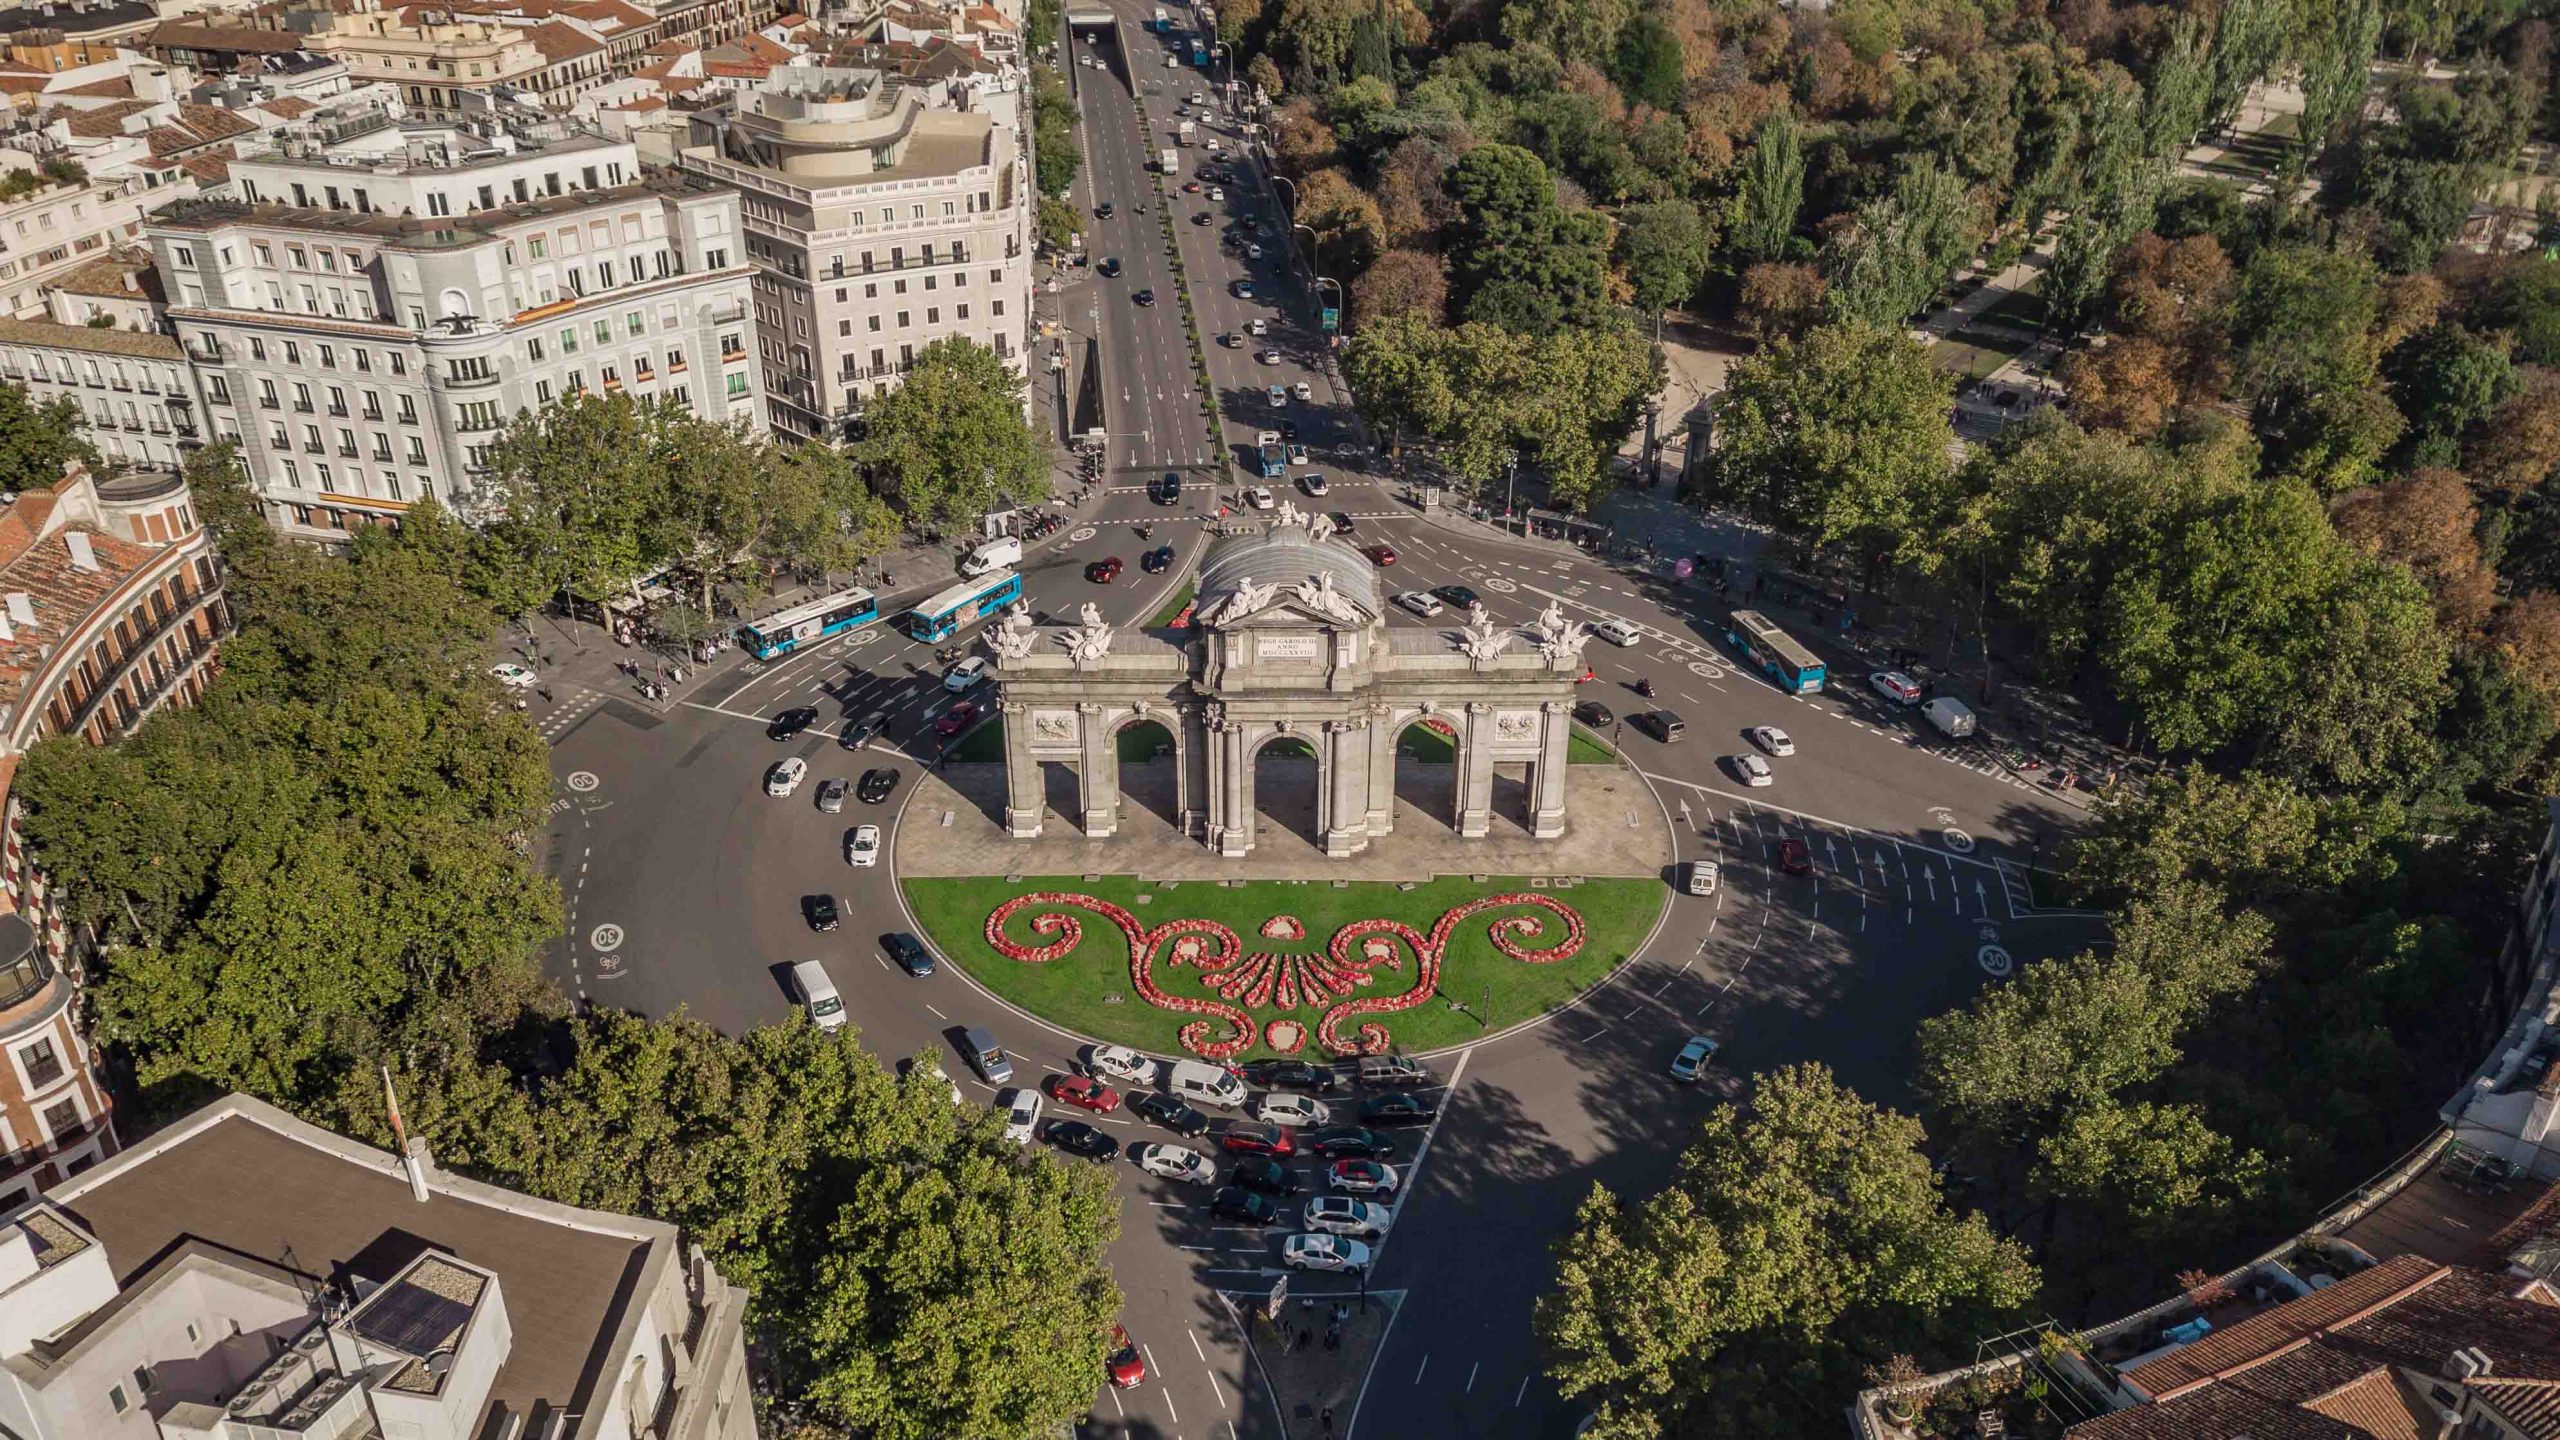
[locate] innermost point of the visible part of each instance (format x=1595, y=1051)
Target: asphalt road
x=685, y=881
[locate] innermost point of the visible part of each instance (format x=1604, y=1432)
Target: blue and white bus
x=963, y=605
x=788, y=630
x=1779, y=655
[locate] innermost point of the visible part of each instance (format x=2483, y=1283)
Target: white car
x=1198, y=98
x=1252, y=251
x=1259, y=497
x=1342, y=1215
x=925, y=1070
x=1121, y=1063
x=1363, y=1177
x=1279, y=396
x=1895, y=686
x=1324, y=1252
x=1281, y=1109
x=1021, y=1114
x=1257, y=327
x=864, y=848
x=1755, y=772
x=1772, y=739
x=514, y=676
x=1217, y=192
x=786, y=775
x=1303, y=390
x=965, y=674
x=1693, y=1058
x=1172, y=1162
x=1267, y=357
x=1420, y=602
x=1621, y=633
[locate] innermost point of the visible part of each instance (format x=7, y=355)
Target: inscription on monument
x=1288, y=647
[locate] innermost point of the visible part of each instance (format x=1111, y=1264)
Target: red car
x=1795, y=857
x=1103, y=571
x=1259, y=1140
x=1084, y=1092
x=958, y=718
x=1128, y=1368
x=1381, y=556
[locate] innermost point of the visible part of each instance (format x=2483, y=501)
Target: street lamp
x=1510, y=487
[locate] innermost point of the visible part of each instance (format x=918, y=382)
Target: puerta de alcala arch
x=1289, y=639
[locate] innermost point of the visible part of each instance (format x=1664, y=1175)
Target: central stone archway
x=1290, y=642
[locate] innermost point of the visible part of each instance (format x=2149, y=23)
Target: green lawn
x=1089, y=991
x=1173, y=606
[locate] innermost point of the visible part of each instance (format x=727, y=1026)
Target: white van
x=826, y=1007
x=1202, y=1084
x=996, y=554
x=1952, y=717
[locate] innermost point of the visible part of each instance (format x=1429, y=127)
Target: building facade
x=135, y=387
x=110, y=608
x=364, y=325
x=244, y=1276
x=877, y=224
x=435, y=65
x=54, y=224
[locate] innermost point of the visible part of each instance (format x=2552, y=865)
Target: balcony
x=24, y=976
x=481, y=381
x=373, y=413
x=108, y=686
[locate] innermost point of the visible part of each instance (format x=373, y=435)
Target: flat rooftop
x=243, y=1177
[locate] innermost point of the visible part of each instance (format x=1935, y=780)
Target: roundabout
x=1265, y=969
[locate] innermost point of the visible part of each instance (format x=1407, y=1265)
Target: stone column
x=1230, y=790
x=1345, y=778
x=1098, y=778
x=1025, y=796
x=1378, y=738
x=1188, y=743
x=1474, y=771
x=1546, y=805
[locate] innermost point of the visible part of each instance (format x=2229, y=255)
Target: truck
x=1274, y=455
x=1167, y=164
x=1188, y=130
x=1953, y=717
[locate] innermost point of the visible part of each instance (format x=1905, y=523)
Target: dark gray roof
x=1287, y=555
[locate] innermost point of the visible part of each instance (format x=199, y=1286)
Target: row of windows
x=98, y=375
x=133, y=649
x=304, y=403
x=352, y=480
x=325, y=355
x=280, y=440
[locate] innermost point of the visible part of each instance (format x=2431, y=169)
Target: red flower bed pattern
x=1349, y=962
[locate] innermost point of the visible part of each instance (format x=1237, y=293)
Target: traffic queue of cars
x=1284, y=1111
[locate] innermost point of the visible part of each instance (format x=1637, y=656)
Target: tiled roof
x=755, y=47
x=612, y=16
x=194, y=35
x=2378, y=1403
x=2223, y=1411
x=107, y=274
x=132, y=344
x=2532, y=1406
x=114, y=87
x=106, y=121
x=559, y=42
x=209, y=168
x=287, y=107
x=64, y=597
x=2264, y=1333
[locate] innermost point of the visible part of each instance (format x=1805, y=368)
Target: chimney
x=419, y=1163
x=84, y=556
x=132, y=282
x=22, y=608
x=2470, y=1363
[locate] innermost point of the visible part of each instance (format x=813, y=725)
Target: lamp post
x=1510, y=486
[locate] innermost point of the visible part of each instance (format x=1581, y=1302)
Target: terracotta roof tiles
x=2261, y=1334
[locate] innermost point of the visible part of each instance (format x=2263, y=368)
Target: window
x=633, y=324
x=542, y=392
x=903, y=319
x=535, y=245
x=62, y=1119
x=604, y=331
x=533, y=349
x=999, y=307
x=569, y=341
x=116, y=1400
x=737, y=384
x=42, y=1064
x=933, y=314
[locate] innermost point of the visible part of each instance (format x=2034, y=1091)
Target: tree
x=2310, y=327
x=2129, y=384
x=2153, y=1171
x=1348, y=229
x=575, y=486
x=1058, y=223
x=2122, y=178
x=1586, y=389
x=1649, y=66
x=2180, y=98
x=1568, y=29
x=2370, y=679
x=1524, y=262
x=2177, y=294
x=2523, y=299
x=1262, y=72
x=950, y=444
x=1402, y=282
x=2248, y=42
x=2447, y=379
x=2520, y=445
x=2337, y=70
x=1779, y=299
x=1663, y=247
x=2526, y=635
x=1903, y=248
x=37, y=440
x=1840, y=437
x=1053, y=132
x=1728, y=1303
x=2427, y=522
x=1772, y=190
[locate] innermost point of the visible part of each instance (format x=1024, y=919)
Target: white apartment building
x=49, y=226
x=435, y=64
x=878, y=224
x=364, y=324
x=245, y=1276
x=135, y=387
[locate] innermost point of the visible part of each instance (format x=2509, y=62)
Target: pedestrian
x=1328, y=1419
x=1306, y=1338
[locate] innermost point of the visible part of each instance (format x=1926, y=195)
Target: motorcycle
x=1645, y=688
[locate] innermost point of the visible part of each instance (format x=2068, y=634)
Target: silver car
x=1419, y=602
x=1342, y=1215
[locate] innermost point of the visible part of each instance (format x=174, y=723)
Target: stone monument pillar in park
x=1289, y=645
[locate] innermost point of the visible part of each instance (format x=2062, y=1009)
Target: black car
x=1593, y=714
x=908, y=953
x=864, y=731
x=876, y=785
x=1293, y=1075
x=1288, y=429
x=1157, y=561
x=1662, y=725
x=1266, y=1175
x=1168, y=491
x=821, y=910
x=1105, y=211
x=1077, y=1138
x=1234, y=1204
x=1110, y=266
x=1458, y=595
x=1204, y=218
x=1145, y=297
x=789, y=724
x=1170, y=1113
x=1348, y=1142
x=1401, y=1107
x=1342, y=523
